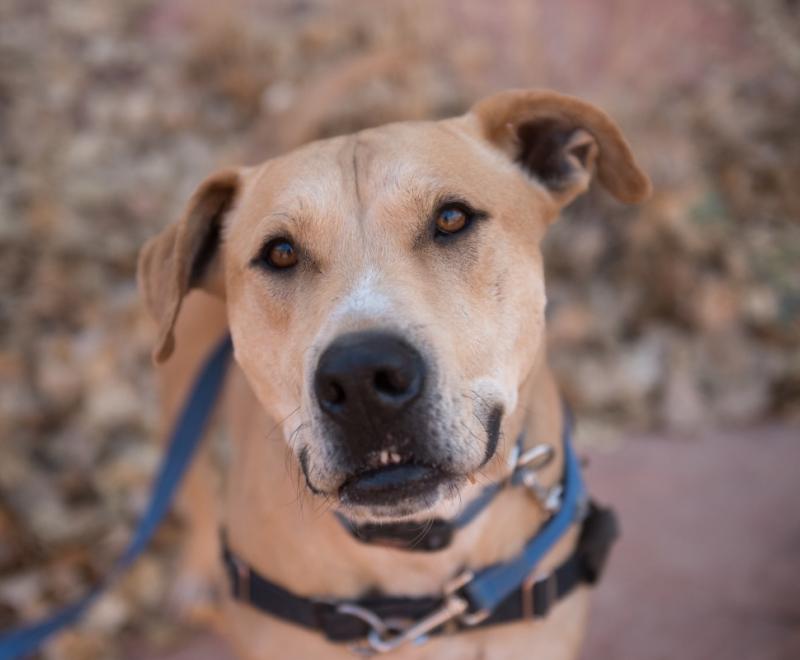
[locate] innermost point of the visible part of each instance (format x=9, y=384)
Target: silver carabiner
x=536, y=457
x=529, y=463
x=385, y=636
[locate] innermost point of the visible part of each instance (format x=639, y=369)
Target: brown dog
x=385, y=296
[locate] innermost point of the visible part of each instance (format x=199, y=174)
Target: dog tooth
x=395, y=457
x=384, y=457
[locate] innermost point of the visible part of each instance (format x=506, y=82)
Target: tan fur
x=358, y=205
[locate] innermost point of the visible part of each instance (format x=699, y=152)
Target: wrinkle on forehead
x=356, y=186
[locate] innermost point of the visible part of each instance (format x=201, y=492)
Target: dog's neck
x=276, y=526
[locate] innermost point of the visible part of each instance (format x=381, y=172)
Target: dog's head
x=385, y=290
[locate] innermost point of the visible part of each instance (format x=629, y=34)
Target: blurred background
x=672, y=324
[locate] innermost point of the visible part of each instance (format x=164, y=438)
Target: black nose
x=362, y=376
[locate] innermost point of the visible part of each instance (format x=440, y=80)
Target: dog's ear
x=561, y=141
x=186, y=255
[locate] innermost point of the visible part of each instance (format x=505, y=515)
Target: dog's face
x=385, y=290
x=385, y=298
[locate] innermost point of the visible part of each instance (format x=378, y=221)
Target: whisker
x=278, y=424
x=426, y=527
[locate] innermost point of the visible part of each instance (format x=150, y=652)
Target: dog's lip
x=391, y=484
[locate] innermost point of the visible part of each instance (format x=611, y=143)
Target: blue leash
x=186, y=435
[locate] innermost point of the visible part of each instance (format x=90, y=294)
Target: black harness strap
x=533, y=599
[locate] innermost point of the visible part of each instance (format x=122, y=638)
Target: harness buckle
x=452, y=589
x=528, y=592
x=600, y=530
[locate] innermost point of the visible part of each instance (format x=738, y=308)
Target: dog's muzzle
x=371, y=388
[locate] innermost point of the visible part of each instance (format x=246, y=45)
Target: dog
x=384, y=292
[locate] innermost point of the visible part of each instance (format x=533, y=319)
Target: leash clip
x=388, y=635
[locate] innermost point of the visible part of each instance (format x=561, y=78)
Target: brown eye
x=280, y=254
x=451, y=220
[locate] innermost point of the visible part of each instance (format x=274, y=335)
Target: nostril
x=391, y=381
x=332, y=393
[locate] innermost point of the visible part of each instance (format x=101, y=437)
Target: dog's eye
x=279, y=254
x=451, y=219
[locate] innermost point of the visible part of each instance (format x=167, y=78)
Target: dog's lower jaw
x=419, y=507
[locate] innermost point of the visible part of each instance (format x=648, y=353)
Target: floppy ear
x=561, y=141
x=185, y=255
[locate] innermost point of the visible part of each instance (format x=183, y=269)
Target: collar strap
x=383, y=620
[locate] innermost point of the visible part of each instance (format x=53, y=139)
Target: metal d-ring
x=536, y=457
x=529, y=463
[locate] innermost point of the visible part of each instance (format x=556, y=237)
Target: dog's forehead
x=384, y=164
